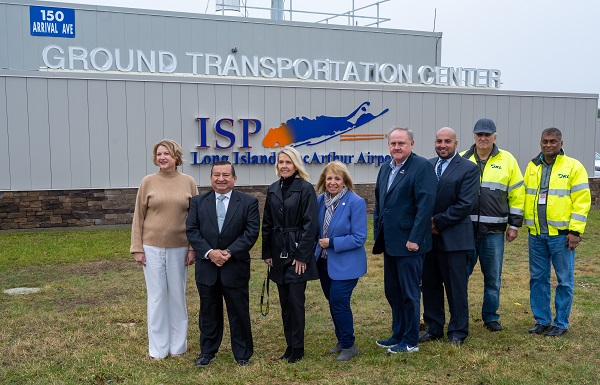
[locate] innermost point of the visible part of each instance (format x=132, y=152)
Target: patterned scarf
x=331, y=204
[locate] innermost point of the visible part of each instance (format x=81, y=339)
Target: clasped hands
x=219, y=257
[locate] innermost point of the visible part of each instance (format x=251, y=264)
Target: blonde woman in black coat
x=289, y=235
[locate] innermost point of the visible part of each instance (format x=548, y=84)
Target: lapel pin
x=343, y=203
x=401, y=171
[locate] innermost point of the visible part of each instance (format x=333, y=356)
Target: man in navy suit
x=404, y=200
x=222, y=227
x=445, y=266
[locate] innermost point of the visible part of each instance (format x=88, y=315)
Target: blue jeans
x=338, y=293
x=490, y=250
x=544, y=250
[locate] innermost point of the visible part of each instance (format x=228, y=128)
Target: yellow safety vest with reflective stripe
x=569, y=198
x=501, y=192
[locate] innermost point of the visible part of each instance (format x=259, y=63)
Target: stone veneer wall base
x=21, y=210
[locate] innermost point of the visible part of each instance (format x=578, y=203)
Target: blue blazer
x=348, y=228
x=403, y=213
x=457, y=189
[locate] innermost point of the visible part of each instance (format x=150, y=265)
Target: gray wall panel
x=154, y=111
x=144, y=33
x=61, y=147
x=140, y=138
x=15, y=46
x=256, y=108
x=105, y=36
x=416, y=122
x=79, y=134
x=454, y=121
x=514, y=132
x=529, y=136
x=157, y=37
x=502, y=122
x=589, y=136
x=39, y=143
x=442, y=114
x=558, y=113
x=18, y=134
x=118, y=32
x=467, y=106
x=223, y=109
x=207, y=109
x=172, y=111
x=189, y=126
x=479, y=108
x=536, y=116
x=582, y=141
x=4, y=35
x=117, y=135
x=4, y=138
x=240, y=110
x=426, y=132
x=99, y=148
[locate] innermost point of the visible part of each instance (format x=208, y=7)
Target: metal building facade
x=78, y=129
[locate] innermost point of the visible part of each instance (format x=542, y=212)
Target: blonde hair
x=337, y=168
x=174, y=149
x=296, y=160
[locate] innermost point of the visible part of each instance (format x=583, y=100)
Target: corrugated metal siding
x=70, y=133
x=179, y=33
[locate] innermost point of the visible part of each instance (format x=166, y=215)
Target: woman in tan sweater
x=159, y=244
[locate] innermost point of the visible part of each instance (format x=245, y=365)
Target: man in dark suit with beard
x=222, y=227
x=445, y=266
x=404, y=199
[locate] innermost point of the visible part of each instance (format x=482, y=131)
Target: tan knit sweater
x=161, y=207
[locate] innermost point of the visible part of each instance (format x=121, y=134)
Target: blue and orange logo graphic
x=302, y=131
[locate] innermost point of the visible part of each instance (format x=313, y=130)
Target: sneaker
x=403, y=348
x=387, y=343
x=493, y=326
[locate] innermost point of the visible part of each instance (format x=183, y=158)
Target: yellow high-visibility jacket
x=501, y=192
x=569, y=198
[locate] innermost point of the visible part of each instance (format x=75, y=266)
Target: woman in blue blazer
x=340, y=252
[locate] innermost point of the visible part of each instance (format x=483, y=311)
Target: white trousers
x=166, y=277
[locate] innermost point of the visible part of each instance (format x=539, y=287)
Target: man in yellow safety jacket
x=498, y=210
x=557, y=202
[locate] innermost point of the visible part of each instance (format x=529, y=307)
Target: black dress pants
x=291, y=297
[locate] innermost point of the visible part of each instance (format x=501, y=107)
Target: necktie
x=221, y=211
x=438, y=171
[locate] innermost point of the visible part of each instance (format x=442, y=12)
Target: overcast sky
x=539, y=45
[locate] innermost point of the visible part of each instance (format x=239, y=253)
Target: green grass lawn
x=88, y=324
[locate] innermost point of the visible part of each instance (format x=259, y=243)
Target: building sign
x=295, y=132
x=50, y=21
x=266, y=67
x=304, y=131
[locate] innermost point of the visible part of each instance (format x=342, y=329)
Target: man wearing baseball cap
x=499, y=210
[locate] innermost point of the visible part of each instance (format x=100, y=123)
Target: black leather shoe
x=296, y=355
x=287, y=354
x=493, y=326
x=538, y=329
x=555, y=331
x=242, y=362
x=455, y=341
x=204, y=360
x=427, y=336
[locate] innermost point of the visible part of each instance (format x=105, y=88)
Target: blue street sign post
x=51, y=21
